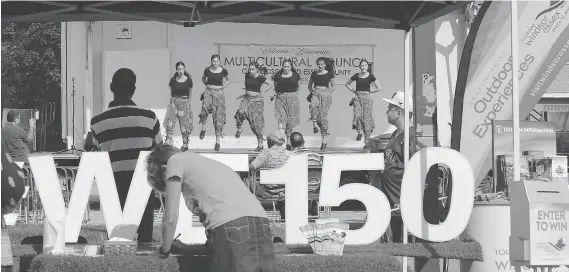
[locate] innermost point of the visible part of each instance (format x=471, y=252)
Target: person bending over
x=237, y=227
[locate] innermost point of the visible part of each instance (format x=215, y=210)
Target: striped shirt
x=313, y=158
x=124, y=130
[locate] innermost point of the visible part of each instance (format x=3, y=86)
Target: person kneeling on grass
x=238, y=231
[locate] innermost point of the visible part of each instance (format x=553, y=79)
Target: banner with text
x=237, y=57
x=484, y=84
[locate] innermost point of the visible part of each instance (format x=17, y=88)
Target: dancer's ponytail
x=330, y=66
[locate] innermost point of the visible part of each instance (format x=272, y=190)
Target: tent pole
x=515, y=92
x=408, y=78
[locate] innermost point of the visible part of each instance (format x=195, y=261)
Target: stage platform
x=330, y=150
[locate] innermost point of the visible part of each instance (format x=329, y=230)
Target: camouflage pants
x=251, y=109
x=363, y=114
x=214, y=104
x=180, y=109
x=287, y=111
x=319, y=108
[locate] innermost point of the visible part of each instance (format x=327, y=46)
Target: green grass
x=366, y=262
x=377, y=256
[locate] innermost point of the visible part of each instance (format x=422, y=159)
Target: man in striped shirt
x=314, y=161
x=124, y=130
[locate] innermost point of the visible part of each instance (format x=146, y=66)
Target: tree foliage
x=31, y=64
x=31, y=71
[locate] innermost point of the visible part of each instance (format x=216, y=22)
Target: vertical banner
x=237, y=57
x=425, y=100
x=484, y=84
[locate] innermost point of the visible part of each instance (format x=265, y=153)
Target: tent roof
x=369, y=14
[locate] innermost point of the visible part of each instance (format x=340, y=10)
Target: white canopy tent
x=401, y=15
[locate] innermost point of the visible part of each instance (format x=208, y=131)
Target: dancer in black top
x=181, y=85
x=287, y=105
x=321, y=87
x=363, y=103
x=252, y=104
x=216, y=80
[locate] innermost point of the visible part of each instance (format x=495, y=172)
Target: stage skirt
x=363, y=113
x=214, y=103
x=251, y=109
x=287, y=111
x=319, y=107
x=179, y=109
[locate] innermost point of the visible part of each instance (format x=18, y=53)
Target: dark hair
x=262, y=69
x=329, y=62
x=175, y=73
x=280, y=72
x=296, y=139
x=11, y=116
x=369, y=65
x=215, y=56
x=124, y=82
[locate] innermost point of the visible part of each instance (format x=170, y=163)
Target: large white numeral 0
x=377, y=206
x=196, y=235
x=412, y=194
x=294, y=175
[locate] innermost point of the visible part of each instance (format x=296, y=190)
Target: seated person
x=273, y=157
x=314, y=160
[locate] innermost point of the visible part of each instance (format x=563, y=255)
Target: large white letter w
x=93, y=166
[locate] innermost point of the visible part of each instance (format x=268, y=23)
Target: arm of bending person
x=170, y=218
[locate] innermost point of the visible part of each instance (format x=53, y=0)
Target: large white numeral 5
x=377, y=205
x=412, y=194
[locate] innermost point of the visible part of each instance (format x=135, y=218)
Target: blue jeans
x=242, y=245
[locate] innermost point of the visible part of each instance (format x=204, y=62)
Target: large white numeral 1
x=377, y=206
x=196, y=235
x=294, y=175
x=412, y=194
